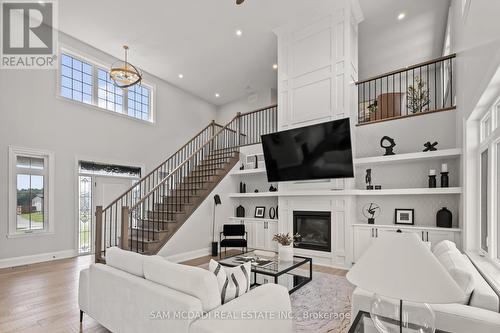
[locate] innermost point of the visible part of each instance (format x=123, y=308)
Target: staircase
x=148, y=214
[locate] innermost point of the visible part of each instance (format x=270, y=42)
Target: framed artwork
x=404, y=216
x=260, y=212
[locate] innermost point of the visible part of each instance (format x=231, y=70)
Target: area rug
x=321, y=306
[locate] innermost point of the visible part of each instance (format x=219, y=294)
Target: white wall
x=410, y=134
x=387, y=44
x=252, y=101
x=32, y=116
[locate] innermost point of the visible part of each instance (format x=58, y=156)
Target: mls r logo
x=27, y=27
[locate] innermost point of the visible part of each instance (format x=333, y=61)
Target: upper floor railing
x=414, y=90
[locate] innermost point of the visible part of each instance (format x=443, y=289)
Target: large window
x=87, y=82
x=30, y=191
x=138, y=102
x=489, y=159
x=110, y=96
x=76, y=79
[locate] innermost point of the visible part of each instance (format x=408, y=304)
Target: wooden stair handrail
x=409, y=68
x=160, y=165
x=172, y=173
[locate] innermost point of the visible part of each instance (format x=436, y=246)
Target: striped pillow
x=233, y=281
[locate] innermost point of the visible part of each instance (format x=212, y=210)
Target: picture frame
x=404, y=216
x=260, y=212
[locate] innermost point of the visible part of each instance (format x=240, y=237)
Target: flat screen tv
x=320, y=151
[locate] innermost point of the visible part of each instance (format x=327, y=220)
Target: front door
x=96, y=191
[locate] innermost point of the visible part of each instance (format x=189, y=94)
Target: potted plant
x=418, y=96
x=285, y=245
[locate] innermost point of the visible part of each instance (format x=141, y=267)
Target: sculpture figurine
x=430, y=146
x=272, y=213
x=389, y=150
x=368, y=179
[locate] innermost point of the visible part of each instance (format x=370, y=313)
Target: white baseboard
x=27, y=260
x=180, y=257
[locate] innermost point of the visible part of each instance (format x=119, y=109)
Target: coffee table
x=286, y=272
x=363, y=323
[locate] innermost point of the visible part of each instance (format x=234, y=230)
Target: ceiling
x=386, y=43
x=195, y=38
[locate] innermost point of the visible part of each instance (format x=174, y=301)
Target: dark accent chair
x=233, y=230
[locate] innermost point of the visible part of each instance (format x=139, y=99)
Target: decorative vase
x=444, y=218
x=240, y=211
x=285, y=252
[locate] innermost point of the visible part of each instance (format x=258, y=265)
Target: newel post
x=98, y=234
x=124, y=228
x=212, y=132
x=238, y=130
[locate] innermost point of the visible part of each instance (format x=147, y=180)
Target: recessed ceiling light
x=217, y=95
x=401, y=16
x=180, y=76
x=275, y=66
x=239, y=32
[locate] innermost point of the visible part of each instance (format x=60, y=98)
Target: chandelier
x=124, y=74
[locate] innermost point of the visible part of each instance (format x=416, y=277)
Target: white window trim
x=490, y=143
x=483, y=130
x=49, y=224
x=97, y=64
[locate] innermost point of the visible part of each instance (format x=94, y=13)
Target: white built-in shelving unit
x=399, y=191
x=410, y=157
x=248, y=172
x=253, y=219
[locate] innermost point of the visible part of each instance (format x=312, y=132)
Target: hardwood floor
x=43, y=298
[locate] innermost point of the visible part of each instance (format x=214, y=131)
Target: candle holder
x=432, y=179
x=445, y=180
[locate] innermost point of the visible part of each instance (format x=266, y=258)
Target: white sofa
x=135, y=293
x=479, y=314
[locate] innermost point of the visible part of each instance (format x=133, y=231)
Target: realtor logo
x=28, y=34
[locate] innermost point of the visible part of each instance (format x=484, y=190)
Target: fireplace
x=315, y=230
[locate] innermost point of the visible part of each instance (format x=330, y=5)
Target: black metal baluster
x=435, y=84
x=451, y=82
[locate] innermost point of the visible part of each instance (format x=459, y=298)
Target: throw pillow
x=233, y=281
x=444, y=246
